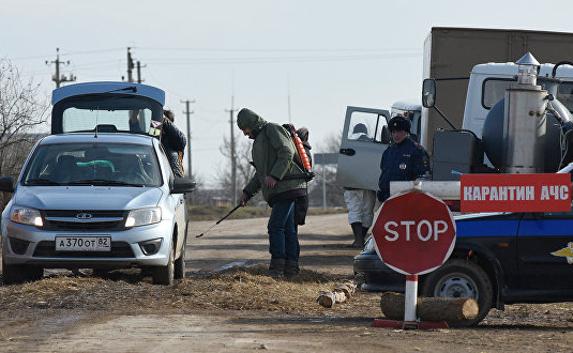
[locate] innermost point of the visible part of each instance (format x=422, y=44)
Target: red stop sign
x=414, y=233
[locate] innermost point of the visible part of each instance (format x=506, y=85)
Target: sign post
x=414, y=234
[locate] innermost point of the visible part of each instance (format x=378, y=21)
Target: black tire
x=180, y=262
x=13, y=274
x=460, y=278
x=165, y=274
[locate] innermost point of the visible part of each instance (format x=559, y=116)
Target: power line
x=275, y=60
x=78, y=52
x=276, y=50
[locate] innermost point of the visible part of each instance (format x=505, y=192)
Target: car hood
x=87, y=197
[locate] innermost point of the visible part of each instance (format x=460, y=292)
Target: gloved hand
x=244, y=199
x=270, y=182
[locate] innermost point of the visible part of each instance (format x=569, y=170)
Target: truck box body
x=453, y=52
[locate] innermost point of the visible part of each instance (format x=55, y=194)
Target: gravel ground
x=242, y=309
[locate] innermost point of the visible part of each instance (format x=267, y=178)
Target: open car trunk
x=107, y=107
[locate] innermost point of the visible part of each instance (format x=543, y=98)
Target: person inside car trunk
x=173, y=142
x=281, y=181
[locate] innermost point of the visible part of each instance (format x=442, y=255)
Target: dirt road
x=128, y=315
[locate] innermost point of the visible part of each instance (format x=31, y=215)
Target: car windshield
x=114, y=164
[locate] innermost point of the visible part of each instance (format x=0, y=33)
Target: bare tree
x=23, y=110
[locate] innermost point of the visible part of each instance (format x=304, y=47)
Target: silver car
x=95, y=200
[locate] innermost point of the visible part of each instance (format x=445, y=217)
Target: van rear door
x=364, y=138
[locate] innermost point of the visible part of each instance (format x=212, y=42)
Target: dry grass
x=236, y=289
x=242, y=289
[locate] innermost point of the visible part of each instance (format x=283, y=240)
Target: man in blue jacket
x=404, y=160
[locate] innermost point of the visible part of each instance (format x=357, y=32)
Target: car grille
x=118, y=249
x=98, y=220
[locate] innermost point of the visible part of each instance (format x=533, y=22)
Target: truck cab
x=488, y=83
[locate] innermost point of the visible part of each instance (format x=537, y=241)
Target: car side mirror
x=429, y=93
x=182, y=186
x=6, y=184
x=385, y=136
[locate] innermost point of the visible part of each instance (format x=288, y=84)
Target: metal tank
x=516, y=142
x=524, y=128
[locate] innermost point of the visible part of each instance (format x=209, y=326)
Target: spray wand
x=219, y=221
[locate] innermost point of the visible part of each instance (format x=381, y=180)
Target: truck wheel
x=180, y=263
x=165, y=274
x=13, y=274
x=460, y=278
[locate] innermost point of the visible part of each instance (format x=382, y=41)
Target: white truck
x=460, y=139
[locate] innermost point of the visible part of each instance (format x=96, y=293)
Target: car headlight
x=143, y=217
x=25, y=215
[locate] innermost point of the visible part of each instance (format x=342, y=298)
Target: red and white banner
x=515, y=192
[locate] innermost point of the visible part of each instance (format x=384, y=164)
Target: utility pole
x=130, y=65
x=188, y=113
x=57, y=77
x=139, y=66
x=233, y=157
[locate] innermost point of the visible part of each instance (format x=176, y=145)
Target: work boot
x=364, y=232
x=276, y=267
x=358, y=235
x=291, y=269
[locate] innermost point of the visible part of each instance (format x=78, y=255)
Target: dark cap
x=399, y=123
x=360, y=129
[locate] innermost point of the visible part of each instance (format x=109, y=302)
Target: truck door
x=364, y=139
x=544, y=241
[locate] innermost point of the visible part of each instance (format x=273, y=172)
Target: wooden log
x=430, y=308
x=326, y=299
x=340, y=294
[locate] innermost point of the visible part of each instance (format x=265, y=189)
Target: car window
x=79, y=119
x=112, y=164
x=366, y=126
x=494, y=90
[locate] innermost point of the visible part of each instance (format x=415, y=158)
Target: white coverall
x=360, y=204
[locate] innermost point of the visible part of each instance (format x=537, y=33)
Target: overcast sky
x=328, y=54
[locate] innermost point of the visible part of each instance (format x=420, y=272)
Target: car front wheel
x=460, y=278
x=180, y=263
x=165, y=274
x=13, y=274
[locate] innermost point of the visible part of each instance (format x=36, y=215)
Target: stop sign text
x=423, y=230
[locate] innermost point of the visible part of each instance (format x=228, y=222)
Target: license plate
x=73, y=243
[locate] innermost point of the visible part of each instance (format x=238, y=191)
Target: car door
x=364, y=138
x=545, y=251
x=176, y=202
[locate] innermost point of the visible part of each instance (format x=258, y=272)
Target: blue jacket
x=401, y=162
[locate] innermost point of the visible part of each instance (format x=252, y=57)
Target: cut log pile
x=341, y=293
x=430, y=308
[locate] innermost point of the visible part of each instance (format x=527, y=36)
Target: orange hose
x=302, y=152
